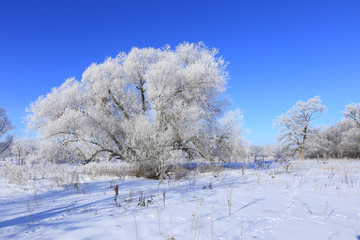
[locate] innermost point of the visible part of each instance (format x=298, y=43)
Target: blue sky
x=279, y=51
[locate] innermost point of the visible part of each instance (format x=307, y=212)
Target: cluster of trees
x=342, y=139
x=298, y=136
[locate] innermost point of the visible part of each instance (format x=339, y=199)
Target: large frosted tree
x=295, y=125
x=145, y=107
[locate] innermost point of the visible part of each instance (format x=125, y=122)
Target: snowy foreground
x=306, y=200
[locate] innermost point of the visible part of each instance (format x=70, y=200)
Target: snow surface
x=307, y=200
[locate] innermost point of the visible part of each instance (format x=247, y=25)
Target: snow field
x=306, y=200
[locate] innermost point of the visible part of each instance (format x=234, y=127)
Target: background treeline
x=340, y=140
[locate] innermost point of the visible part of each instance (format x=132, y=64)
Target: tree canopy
x=295, y=125
x=147, y=107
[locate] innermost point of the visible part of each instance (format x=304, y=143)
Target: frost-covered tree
x=145, y=107
x=295, y=125
x=5, y=126
x=352, y=113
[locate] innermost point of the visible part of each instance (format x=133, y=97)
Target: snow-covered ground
x=306, y=200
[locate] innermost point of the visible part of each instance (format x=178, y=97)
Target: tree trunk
x=302, y=154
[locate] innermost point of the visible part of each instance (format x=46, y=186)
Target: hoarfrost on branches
x=144, y=107
x=352, y=113
x=295, y=128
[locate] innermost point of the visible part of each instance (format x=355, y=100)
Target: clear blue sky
x=279, y=51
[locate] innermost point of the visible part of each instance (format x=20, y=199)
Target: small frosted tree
x=295, y=125
x=352, y=113
x=5, y=126
x=145, y=107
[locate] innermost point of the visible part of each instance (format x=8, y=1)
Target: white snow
x=309, y=200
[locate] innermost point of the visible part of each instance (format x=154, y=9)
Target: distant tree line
x=299, y=136
x=340, y=140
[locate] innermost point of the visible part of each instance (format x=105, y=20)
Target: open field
x=303, y=200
